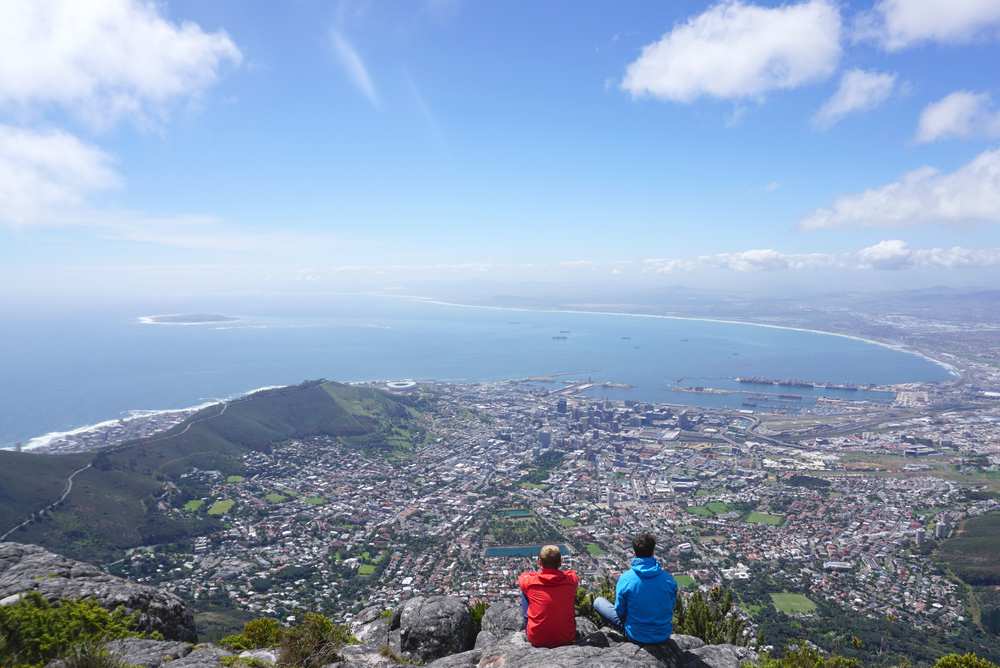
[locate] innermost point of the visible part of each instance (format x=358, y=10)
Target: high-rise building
x=561, y=405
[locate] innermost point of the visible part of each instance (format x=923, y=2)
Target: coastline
x=47, y=439
x=898, y=347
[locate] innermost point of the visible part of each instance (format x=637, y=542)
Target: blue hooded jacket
x=644, y=600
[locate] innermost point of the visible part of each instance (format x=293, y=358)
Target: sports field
x=792, y=604
x=221, y=507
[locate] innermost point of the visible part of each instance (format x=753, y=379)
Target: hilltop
x=117, y=502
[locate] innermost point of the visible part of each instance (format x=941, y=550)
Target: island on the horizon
x=187, y=318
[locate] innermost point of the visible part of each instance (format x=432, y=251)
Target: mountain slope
x=114, y=504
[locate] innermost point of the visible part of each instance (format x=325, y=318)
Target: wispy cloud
x=962, y=114
x=354, y=66
x=426, y=112
x=859, y=90
x=891, y=254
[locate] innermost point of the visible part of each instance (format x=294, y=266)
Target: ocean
x=65, y=371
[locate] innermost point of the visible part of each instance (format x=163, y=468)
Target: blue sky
x=187, y=147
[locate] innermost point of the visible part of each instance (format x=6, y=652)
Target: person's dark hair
x=644, y=544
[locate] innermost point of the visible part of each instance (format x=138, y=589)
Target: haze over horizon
x=449, y=147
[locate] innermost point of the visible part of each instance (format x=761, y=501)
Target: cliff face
x=25, y=568
x=435, y=630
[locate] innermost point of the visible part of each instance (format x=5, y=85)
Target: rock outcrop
x=25, y=568
x=432, y=627
x=502, y=644
x=436, y=631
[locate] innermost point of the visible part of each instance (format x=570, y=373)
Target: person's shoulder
x=526, y=576
x=572, y=575
x=626, y=577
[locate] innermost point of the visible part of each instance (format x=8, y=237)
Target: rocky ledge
x=435, y=631
x=25, y=568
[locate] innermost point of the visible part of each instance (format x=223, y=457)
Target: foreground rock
x=434, y=626
x=25, y=568
x=434, y=629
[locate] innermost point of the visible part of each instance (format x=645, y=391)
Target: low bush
x=35, y=631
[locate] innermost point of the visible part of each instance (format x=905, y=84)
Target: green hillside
x=113, y=505
x=29, y=482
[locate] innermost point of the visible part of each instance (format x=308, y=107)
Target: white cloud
x=47, y=175
x=898, y=24
x=961, y=114
x=736, y=50
x=970, y=194
x=104, y=59
x=858, y=91
x=894, y=254
x=891, y=254
x=354, y=66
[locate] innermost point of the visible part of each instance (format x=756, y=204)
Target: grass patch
x=718, y=507
x=764, y=518
x=700, y=511
x=685, y=581
x=274, y=497
x=235, y=478
x=595, y=550
x=314, y=500
x=567, y=523
x=366, y=569
x=194, y=505
x=792, y=604
x=221, y=507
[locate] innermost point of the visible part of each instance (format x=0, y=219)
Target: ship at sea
x=759, y=380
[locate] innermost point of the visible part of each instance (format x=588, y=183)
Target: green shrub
x=314, y=643
x=806, y=656
x=257, y=634
x=963, y=661
x=585, y=599
x=91, y=655
x=35, y=631
x=477, y=610
x=714, y=618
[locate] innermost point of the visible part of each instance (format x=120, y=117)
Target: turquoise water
x=520, y=550
x=64, y=371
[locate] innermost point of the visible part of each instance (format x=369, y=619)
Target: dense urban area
x=867, y=513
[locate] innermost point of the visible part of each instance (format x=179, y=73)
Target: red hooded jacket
x=551, y=597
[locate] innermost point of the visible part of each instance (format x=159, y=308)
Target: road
x=51, y=506
x=69, y=480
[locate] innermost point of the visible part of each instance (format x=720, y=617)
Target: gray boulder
x=260, y=655
x=687, y=642
x=25, y=568
x=502, y=618
x=514, y=651
x=148, y=653
x=434, y=626
x=485, y=639
x=202, y=656
x=468, y=659
x=720, y=656
x=364, y=656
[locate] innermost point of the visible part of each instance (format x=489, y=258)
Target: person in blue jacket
x=644, y=597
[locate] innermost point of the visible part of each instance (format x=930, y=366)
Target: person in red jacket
x=548, y=596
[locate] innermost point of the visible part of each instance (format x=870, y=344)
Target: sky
x=184, y=147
